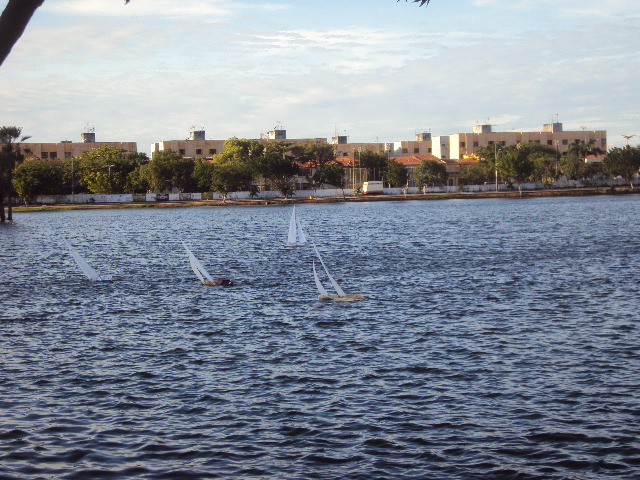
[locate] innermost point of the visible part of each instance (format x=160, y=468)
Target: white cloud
x=200, y=11
x=149, y=76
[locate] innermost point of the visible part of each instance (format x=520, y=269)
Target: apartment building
x=464, y=145
x=68, y=149
x=197, y=146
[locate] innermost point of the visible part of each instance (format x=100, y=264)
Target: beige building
x=462, y=145
x=197, y=146
x=68, y=149
x=421, y=146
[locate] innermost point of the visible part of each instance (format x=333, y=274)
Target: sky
x=374, y=70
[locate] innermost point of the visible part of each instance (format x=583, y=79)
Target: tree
x=581, y=149
x=374, y=162
x=314, y=154
x=430, y=172
x=545, y=166
x=477, y=173
x=231, y=177
x=109, y=169
x=515, y=162
x=396, y=174
x=202, y=173
x=18, y=13
x=623, y=161
x=334, y=176
x=10, y=156
x=39, y=177
x=167, y=170
x=277, y=166
x=572, y=166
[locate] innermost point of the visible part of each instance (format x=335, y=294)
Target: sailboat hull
x=218, y=282
x=349, y=297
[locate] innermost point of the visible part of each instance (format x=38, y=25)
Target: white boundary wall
x=84, y=198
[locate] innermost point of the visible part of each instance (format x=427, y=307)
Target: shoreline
x=569, y=192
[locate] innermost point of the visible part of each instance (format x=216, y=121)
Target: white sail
x=337, y=288
x=194, y=267
x=293, y=228
x=301, y=236
x=321, y=289
x=296, y=236
x=197, y=267
x=84, y=266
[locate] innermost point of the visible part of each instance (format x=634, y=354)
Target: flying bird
x=422, y=2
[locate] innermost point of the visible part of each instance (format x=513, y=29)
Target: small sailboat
x=202, y=273
x=324, y=295
x=85, y=267
x=296, y=235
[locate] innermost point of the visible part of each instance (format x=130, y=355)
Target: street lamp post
x=495, y=160
x=557, y=157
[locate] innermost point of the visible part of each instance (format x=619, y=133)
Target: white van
x=369, y=188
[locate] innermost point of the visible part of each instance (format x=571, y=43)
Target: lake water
x=498, y=339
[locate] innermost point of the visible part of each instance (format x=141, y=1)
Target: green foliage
x=202, y=173
x=430, y=172
x=10, y=156
x=334, y=175
x=623, y=161
x=515, y=162
x=231, y=177
x=109, y=169
x=314, y=154
x=396, y=174
x=39, y=177
x=168, y=170
x=276, y=166
x=477, y=173
x=572, y=166
x=240, y=150
x=546, y=166
x=374, y=162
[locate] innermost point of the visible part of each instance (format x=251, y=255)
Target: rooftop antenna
x=89, y=128
x=628, y=137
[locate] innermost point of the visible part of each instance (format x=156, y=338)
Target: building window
x=405, y=150
x=181, y=151
x=475, y=144
x=27, y=150
x=345, y=154
x=67, y=154
x=212, y=151
x=503, y=143
x=198, y=151
x=45, y=155
x=549, y=142
x=429, y=150
x=416, y=150
x=565, y=141
x=490, y=142
x=463, y=144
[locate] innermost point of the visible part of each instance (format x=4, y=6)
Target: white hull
x=349, y=297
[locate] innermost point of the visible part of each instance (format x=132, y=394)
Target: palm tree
x=581, y=148
x=10, y=156
x=18, y=13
